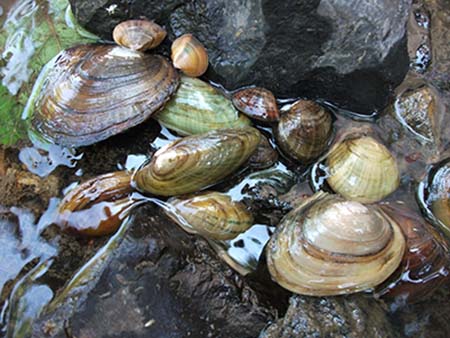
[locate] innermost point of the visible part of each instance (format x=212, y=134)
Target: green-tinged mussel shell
x=91, y=92
x=331, y=246
x=197, y=162
x=197, y=108
x=214, y=215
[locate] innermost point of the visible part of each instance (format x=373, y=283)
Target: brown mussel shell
x=93, y=92
x=197, y=162
x=189, y=55
x=331, y=246
x=257, y=103
x=264, y=156
x=305, y=131
x=212, y=214
x=97, y=206
x=139, y=35
x=425, y=265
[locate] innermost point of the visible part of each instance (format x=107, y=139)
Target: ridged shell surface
x=258, y=103
x=304, y=132
x=139, y=35
x=95, y=91
x=196, y=162
x=197, y=108
x=213, y=215
x=362, y=169
x=332, y=246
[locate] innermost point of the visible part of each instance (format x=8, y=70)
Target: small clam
x=425, y=265
x=264, y=156
x=189, y=55
x=304, y=132
x=197, y=162
x=257, y=103
x=434, y=195
x=91, y=92
x=98, y=206
x=362, y=169
x=197, y=108
x=332, y=246
x=213, y=215
x=139, y=35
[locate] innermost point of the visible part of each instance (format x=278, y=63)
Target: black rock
x=352, y=53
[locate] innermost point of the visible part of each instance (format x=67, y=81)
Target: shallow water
x=28, y=244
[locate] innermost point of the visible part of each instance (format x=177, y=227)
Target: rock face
x=349, y=52
x=160, y=282
x=351, y=317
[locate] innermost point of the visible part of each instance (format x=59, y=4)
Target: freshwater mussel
x=258, y=103
x=197, y=107
x=189, y=55
x=211, y=214
x=139, y=35
x=362, y=169
x=304, y=132
x=98, y=206
x=434, y=195
x=330, y=246
x=90, y=92
x=196, y=162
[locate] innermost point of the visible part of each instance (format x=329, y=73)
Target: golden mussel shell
x=197, y=162
x=197, y=108
x=331, y=246
x=139, y=35
x=304, y=132
x=189, y=55
x=97, y=206
x=214, y=215
x=91, y=92
x=362, y=169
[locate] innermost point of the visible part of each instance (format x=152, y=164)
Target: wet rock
x=350, y=316
x=349, y=52
x=160, y=282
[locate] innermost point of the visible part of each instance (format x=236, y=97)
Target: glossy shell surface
x=304, y=132
x=189, y=55
x=197, y=108
x=362, y=169
x=258, y=103
x=139, y=35
x=196, y=162
x=332, y=246
x=213, y=215
x=92, y=92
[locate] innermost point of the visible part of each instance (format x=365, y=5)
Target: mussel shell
x=189, y=55
x=213, y=215
x=434, y=195
x=425, y=265
x=139, y=35
x=97, y=206
x=257, y=103
x=264, y=156
x=304, y=132
x=362, y=169
x=331, y=246
x=197, y=108
x=197, y=162
x=95, y=91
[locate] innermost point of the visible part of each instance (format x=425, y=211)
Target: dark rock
x=350, y=52
x=160, y=282
x=351, y=316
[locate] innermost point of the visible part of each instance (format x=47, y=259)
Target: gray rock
x=349, y=52
x=350, y=317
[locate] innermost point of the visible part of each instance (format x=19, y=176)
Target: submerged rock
x=159, y=282
x=350, y=316
x=349, y=52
